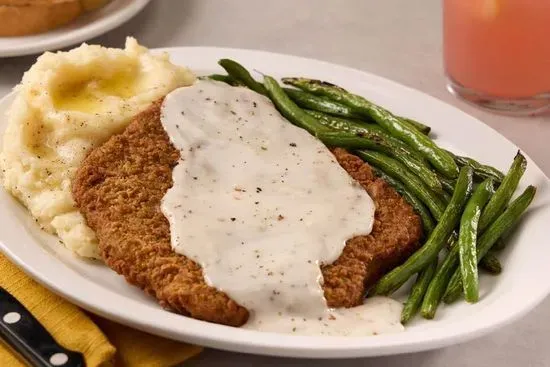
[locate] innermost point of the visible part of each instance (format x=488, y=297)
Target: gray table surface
x=397, y=39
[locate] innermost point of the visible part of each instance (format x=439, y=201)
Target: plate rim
x=273, y=346
x=97, y=27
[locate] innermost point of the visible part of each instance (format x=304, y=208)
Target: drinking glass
x=497, y=53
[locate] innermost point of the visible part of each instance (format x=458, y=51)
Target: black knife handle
x=20, y=330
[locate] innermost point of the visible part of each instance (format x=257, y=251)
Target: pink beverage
x=497, y=52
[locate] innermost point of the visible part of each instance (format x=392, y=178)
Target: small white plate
x=83, y=28
x=522, y=285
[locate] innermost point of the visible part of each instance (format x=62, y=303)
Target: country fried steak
x=119, y=188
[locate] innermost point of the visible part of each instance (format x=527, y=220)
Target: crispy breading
x=395, y=236
x=119, y=188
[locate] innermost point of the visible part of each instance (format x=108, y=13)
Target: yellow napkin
x=102, y=342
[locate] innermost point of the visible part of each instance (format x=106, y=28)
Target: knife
x=22, y=332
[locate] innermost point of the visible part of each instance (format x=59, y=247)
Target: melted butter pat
x=260, y=204
x=88, y=95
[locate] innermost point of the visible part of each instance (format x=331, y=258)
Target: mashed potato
x=68, y=103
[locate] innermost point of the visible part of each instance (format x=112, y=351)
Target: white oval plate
x=83, y=28
x=523, y=284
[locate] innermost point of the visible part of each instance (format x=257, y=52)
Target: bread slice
x=24, y=17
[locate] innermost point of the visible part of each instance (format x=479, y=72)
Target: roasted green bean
x=441, y=160
x=239, y=72
x=417, y=294
x=482, y=171
x=490, y=263
x=361, y=127
x=397, y=170
x=289, y=109
x=502, y=195
x=436, y=241
x=418, y=206
x=322, y=104
x=467, y=239
x=424, y=129
x=373, y=141
x=437, y=287
x=228, y=79
x=504, y=222
x=447, y=184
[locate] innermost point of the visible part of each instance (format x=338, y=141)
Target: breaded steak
x=119, y=188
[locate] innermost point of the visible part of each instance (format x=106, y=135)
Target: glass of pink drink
x=497, y=53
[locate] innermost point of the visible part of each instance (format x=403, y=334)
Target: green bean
x=445, y=196
x=228, y=79
x=424, y=129
x=490, y=263
x=352, y=141
x=502, y=195
x=428, y=253
x=397, y=170
x=418, y=290
x=452, y=240
x=289, y=109
x=437, y=286
x=454, y=288
x=401, y=129
x=239, y=72
x=467, y=239
x=480, y=170
x=447, y=184
x=417, y=205
x=500, y=244
x=506, y=220
x=376, y=142
x=240, y=76
x=340, y=124
x=425, y=174
x=301, y=98
x=322, y=104
x=361, y=127
x=369, y=139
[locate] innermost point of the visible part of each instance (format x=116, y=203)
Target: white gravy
x=260, y=204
